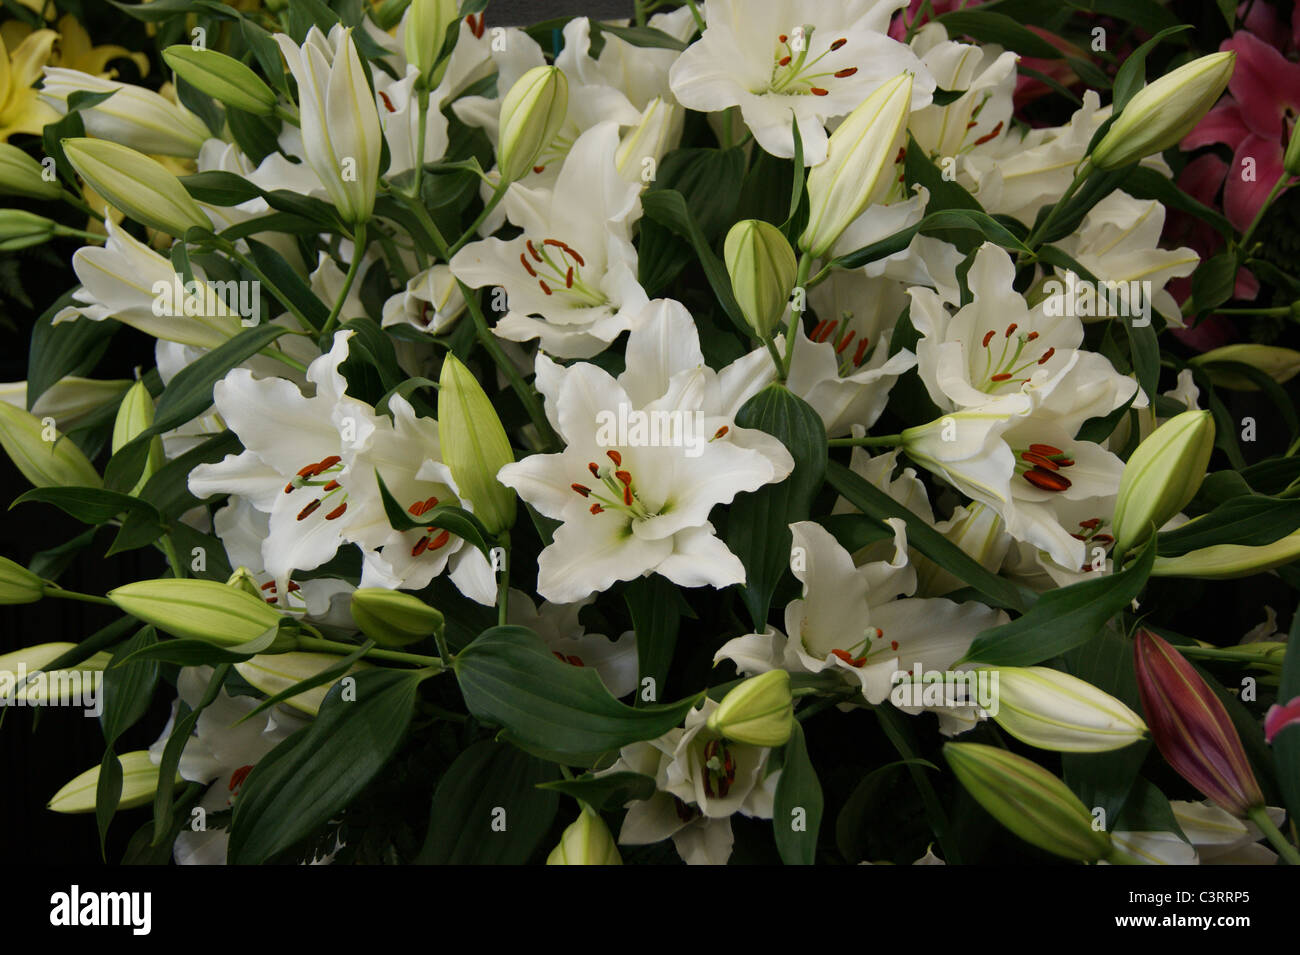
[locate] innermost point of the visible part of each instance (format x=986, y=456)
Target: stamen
x=388, y=103
x=1031, y=336
x=784, y=61
x=615, y=457
x=440, y=540
x=420, y=546
x=306, y=511
x=861, y=352
x=539, y=169
x=720, y=432
x=1046, y=449
x=596, y=509
x=989, y=135
x=568, y=278
x=595, y=471
x=545, y=288
x=839, y=349
x=818, y=91
x=1011, y=329
x=625, y=477
x=337, y=512
x=576, y=257
x=847, y=71
x=532, y=250
x=523, y=260
x=1039, y=460
x=1047, y=356
x=269, y=585
x=581, y=489
x=1005, y=376
x=988, y=337
x=331, y=486
x=1047, y=480
x=838, y=43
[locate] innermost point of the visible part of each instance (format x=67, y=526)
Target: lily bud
x=1280, y=364
x=133, y=116
x=1279, y=717
x=18, y=585
x=587, y=841
x=860, y=154
x=531, y=114
x=139, y=783
x=41, y=453
x=222, y=77
x=200, y=609
x=19, y=229
x=1229, y=561
x=1191, y=728
x=20, y=175
x=762, y=267
x=64, y=686
x=1053, y=710
x=1161, y=476
x=135, y=415
x=760, y=711
x=658, y=131
x=392, y=618
x=242, y=579
x=275, y=673
x=1162, y=113
x=426, y=29
x=474, y=445
x=137, y=185
x=1028, y=800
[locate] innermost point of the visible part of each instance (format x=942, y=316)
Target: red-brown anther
x=1011, y=329
x=782, y=38
x=477, y=26
x=523, y=260
x=429, y=505
x=596, y=509
x=592, y=467
x=625, y=477
x=539, y=169
x=574, y=661
x=1047, y=480
x=861, y=351
x=902, y=154
x=784, y=61
x=420, y=546
x=1004, y=376
x=847, y=71
x=849, y=658
x=293, y=587
x=1047, y=356
x=893, y=644
x=416, y=509
x=545, y=288
x=440, y=540
x=576, y=257
x=1039, y=460
x=828, y=330
x=988, y=337
x=817, y=330
x=1045, y=449
x=818, y=91
x=627, y=494
x=272, y=600
x=615, y=457
x=1066, y=462
x=269, y=585
x=532, y=250
x=556, y=243
x=558, y=655
x=328, y=463
x=581, y=489
x=388, y=103
x=568, y=278
x=717, y=783
x=720, y=432
x=238, y=776
x=989, y=135
x=1079, y=537
x=1090, y=522
x=1031, y=336
x=331, y=486
x=309, y=471
x=306, y=511
x=839, y=349
x=288, y=488
x=972, y=124
x=1103, y=539
x=838, y=43
x=337, y=512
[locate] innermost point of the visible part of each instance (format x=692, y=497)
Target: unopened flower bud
x=201, y=610
x=135, y=415
x=531, y=114
x=587, y=841
x=139, y=783
x=1280, y=364
x=1161, y=113
x=392, y=618
x=762, y=267
x=20, y=675
x=474, y=445
x=137, y=185
x=759, y=711
x=1028, y=800
x=275, y=673
x=1229, y=561
x=41, y=453
x=242, y=579
x=426, y=29
x=20, y=175
x=1191, y=727
x=1161, y=476
x=18, y=585
x=859, y=160
x=20, y=230
x=222, y=77
x=1053, y=710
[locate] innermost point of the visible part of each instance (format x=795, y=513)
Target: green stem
x=1032, y=241
x=427, y=223
x=358, y=252
x=321, y=645
x=53, y=590
x=776, y=356
x=423, y=106
x=796, y=314
x=273, y=352
x=173, y=559
x=1259, y=817
x=1278, y=312
x=695, y=12
x=289, y=116
x=1259, y=216
x=497, y=195
x=503, y=583
x=246, y=262
x=884, y=440
x=63, y=230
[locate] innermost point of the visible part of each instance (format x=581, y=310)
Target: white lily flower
x=614, y=661
x=986, y=75
x=431, y=302
x=816, y=58
x=132, y=116
x=340, y=121
x=69, y=401
x=399, y=117
x=648, y=456
x=1214, y=837
x=570, y=277
x=850, y=622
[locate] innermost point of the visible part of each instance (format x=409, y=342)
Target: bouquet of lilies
x=747, y=431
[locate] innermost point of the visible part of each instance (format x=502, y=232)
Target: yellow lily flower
x=20, y=109
x=76, y=52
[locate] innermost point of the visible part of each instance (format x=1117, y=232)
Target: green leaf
x=108, y=793
x=171, y=757
x=90, y=505
x=219, y=188
x=647, y=37
x=854, y=822
x=306, y=780
x=1213, y=282
x=797, y=810
x=1147, y=809
x=655, y=604
x=510, y=678
x=798, y=180
x=330, y=674
x=1145, y=351
x=465, y=821
x=758, y=522
x=128, y=687
x=288, y=284
x=941, y=222
x=68, y=348
x=191, y=652
x=875, y=503
x=1131, y=75
x=447, y=517
x=1252, y=520
x=1063, y=618
x=606, y=792
x=991, y=27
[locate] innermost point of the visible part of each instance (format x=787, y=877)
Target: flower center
x=793, y=72
x=293, y=592
x=308, y=477
x=433, y=537
x=868, y=649
x=840, y=336
x=1011, y=363
x=1090, y=532
x=719, y=769
x=1041, y=464
x=558, y=266
x=616, y=491
x=238, y=776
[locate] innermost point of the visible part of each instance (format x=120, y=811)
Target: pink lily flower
x=1279, y=717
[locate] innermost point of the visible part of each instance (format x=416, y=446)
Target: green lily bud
x=139, y=783
x=222, y=77
x=39, y=451
x=1229, y=561
x=242, y=579
x=1280, y=364
x=201, y=610
x=1162, y=113
x=1053, y=710
x=64, y=686
x=426, y=28
x=20, y=175
x=275, y=673
x=135, y=415
x=762, y=268
x=392, y=618
x=18, y=585
x=1028, y=800
x=759, y=711
x=860, y=153
x=587, y=841
x=137, y=185
x=1161, y=476
x=474, y=445
x=19, y=229
x=531, y=114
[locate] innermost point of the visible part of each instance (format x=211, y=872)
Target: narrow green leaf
x=797, y=810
